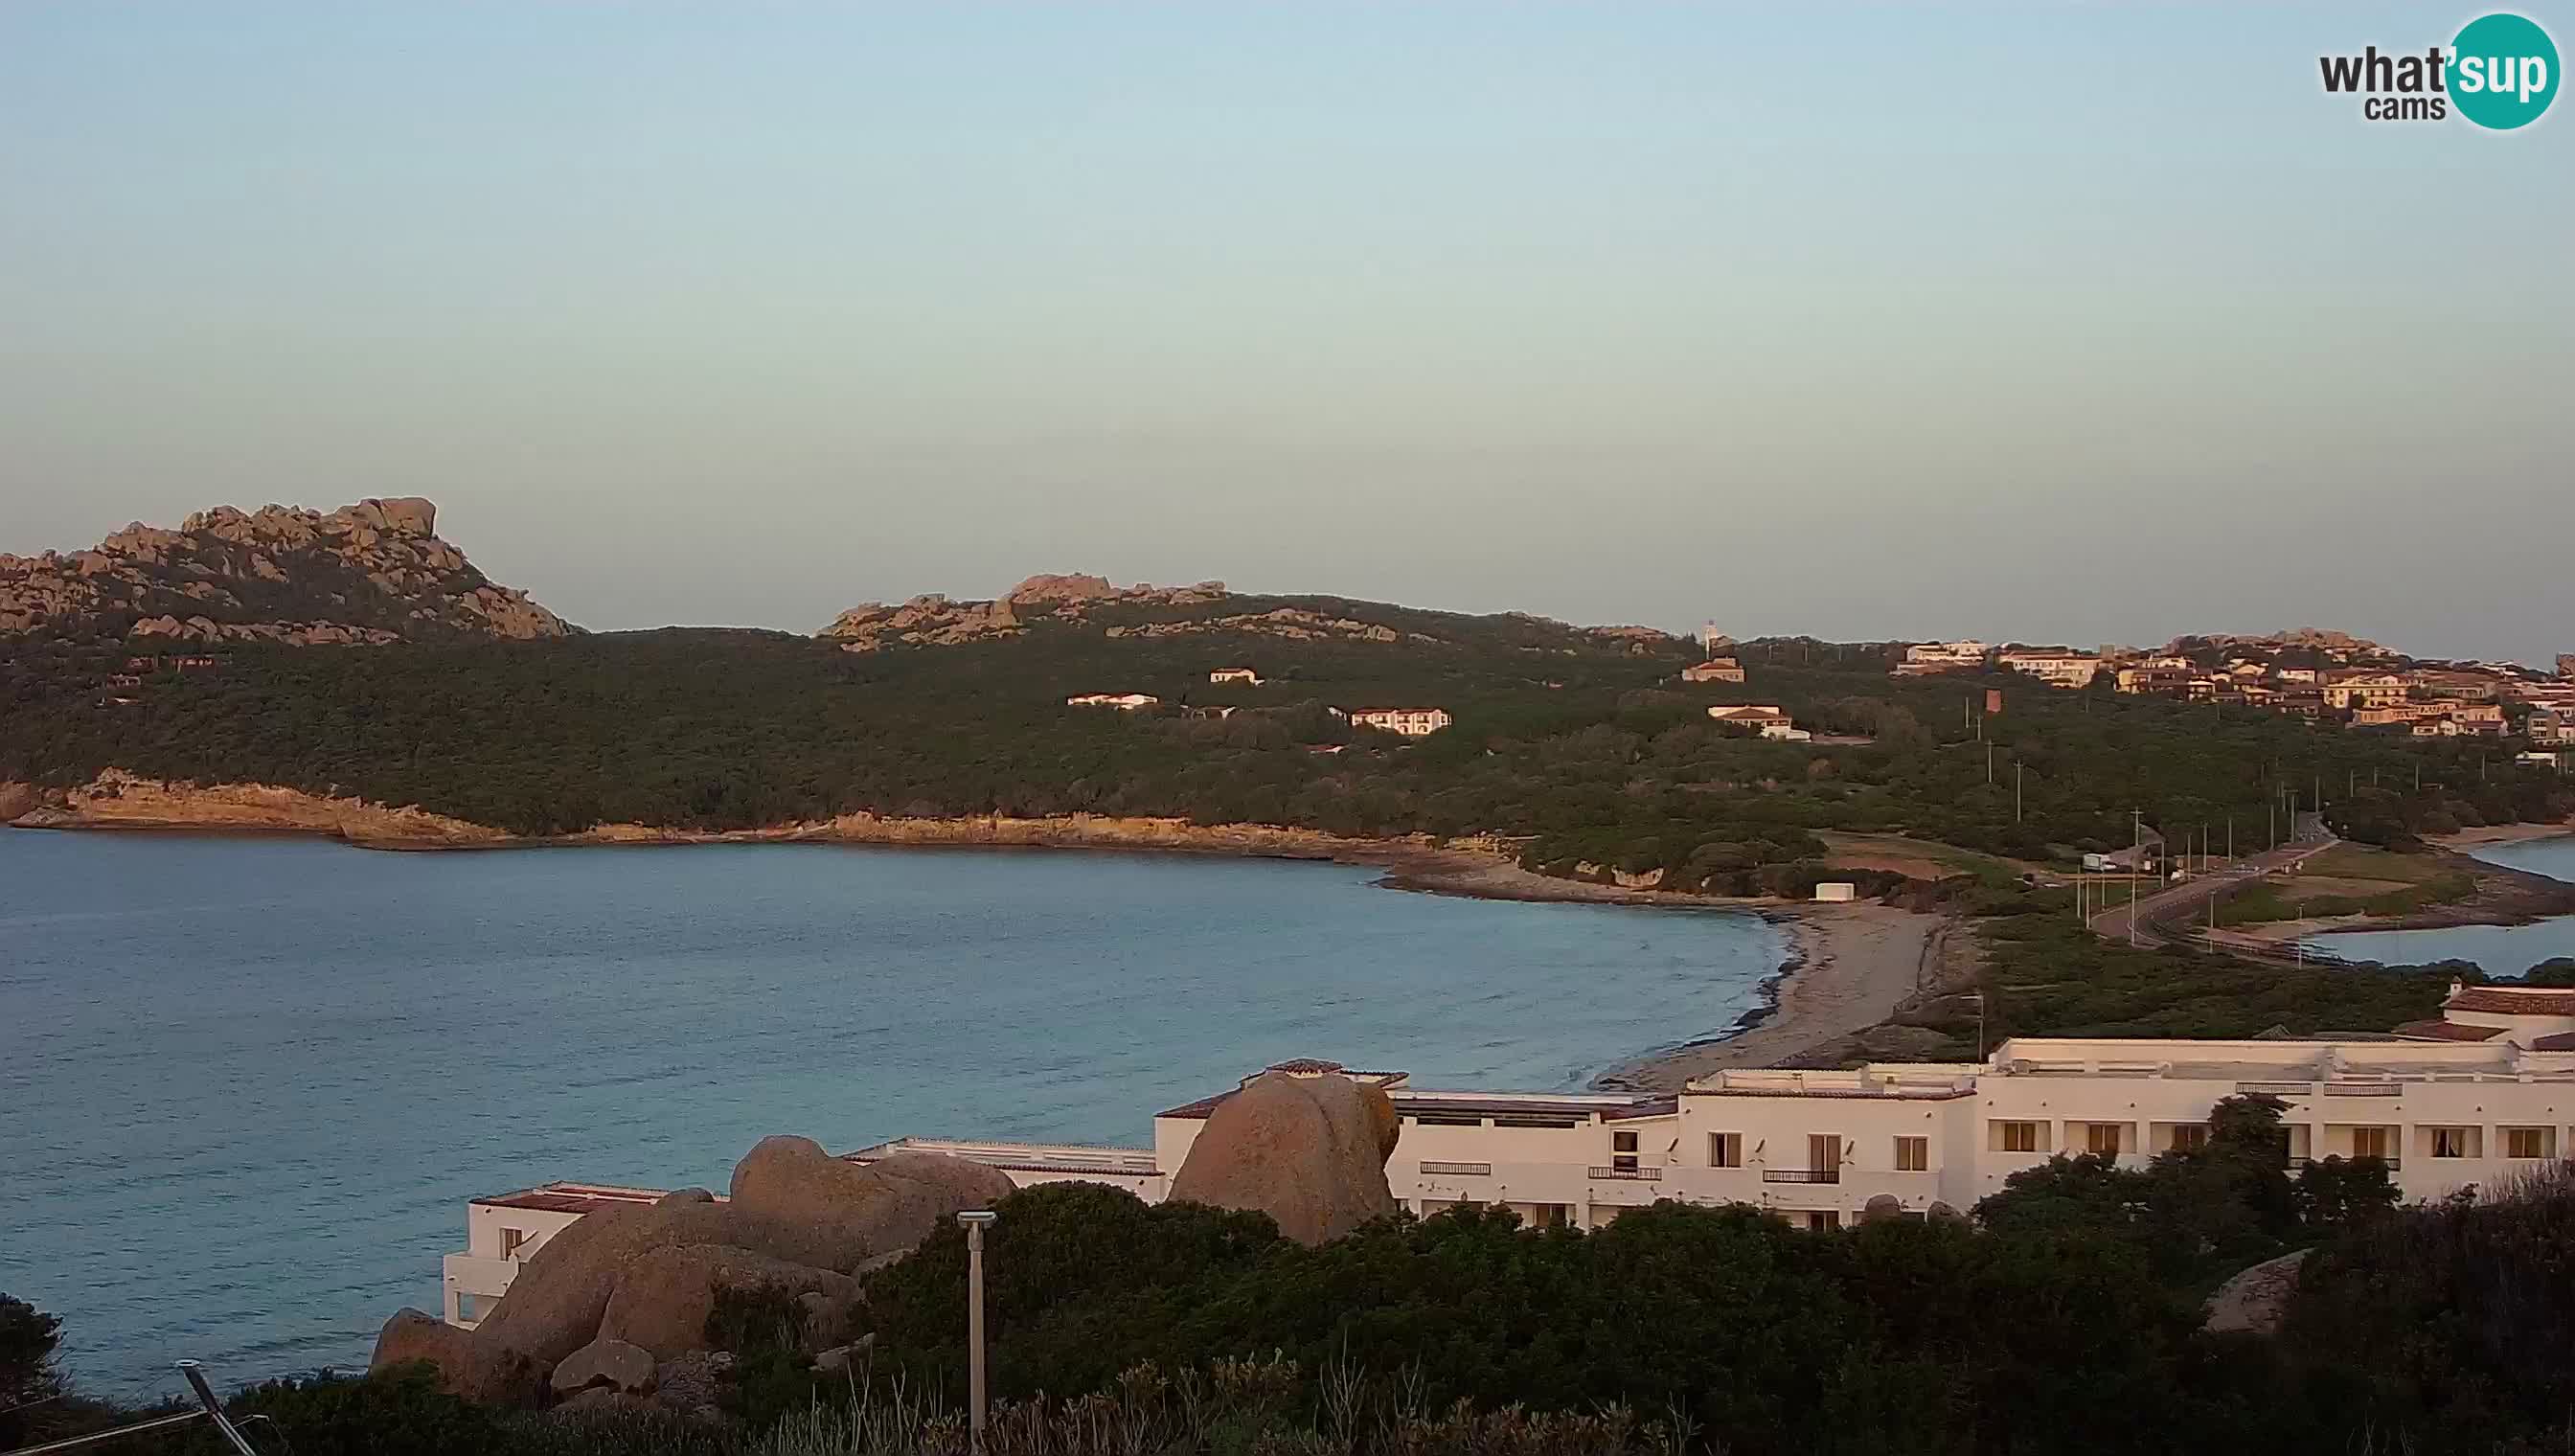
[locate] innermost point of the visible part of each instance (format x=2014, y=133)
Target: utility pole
x=2137, y=867
x=2016, y=767
x=975, y=1222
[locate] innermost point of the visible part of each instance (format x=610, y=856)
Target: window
x=1825, y=1155
x=2369, y=1143
x=513, y=1240
x=1821, y=1221
x=2016, y=1136
x=2190, y=1138
x=1622, y=1142
x=2449, y=1142
x=2103, y=1138
x=468, y=1308
x=1912, y=1154
x=2524, y=1142
x=1547, y=1215
x=1725, y=1149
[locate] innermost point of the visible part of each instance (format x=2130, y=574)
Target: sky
x=2066, y=323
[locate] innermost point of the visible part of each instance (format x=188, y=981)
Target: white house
x=1122, y=702
x=1243, y=676
x=1413, y=723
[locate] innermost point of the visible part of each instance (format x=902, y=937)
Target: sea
x=2497, y=949
x=247, y=1085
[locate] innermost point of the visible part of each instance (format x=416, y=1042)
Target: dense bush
x=2460, y=1314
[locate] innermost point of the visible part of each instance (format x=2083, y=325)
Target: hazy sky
x=2046, y=322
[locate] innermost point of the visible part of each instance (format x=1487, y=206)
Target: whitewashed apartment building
x=2472, y=1099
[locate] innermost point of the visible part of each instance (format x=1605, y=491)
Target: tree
x=28, y=1338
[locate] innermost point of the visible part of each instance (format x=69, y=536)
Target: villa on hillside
x=1413, y=723
x=1965, y=656
x=1123, y=702
x=2469, y=1099
x=1715, y=670
x=1243, y=676
x=2057, y=669
x=1764, y=717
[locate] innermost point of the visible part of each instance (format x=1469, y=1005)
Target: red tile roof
x=2513, y=1002
x=2438, y=1030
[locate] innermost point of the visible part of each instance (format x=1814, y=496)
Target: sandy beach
x=1855, y=965
x=2501, y=834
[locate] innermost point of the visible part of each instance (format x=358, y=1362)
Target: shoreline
x=1829, y=983
x=1849, y=968
x=2466, y=839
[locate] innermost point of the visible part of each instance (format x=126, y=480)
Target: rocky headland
x=372, y=574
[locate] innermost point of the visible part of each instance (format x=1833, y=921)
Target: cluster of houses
x=1412, y=722
x=2389, y=696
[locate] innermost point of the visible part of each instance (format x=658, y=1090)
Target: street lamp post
x=975, y=1222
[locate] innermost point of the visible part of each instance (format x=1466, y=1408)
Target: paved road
x=2173, y=913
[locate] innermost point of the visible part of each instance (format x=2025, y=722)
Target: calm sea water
x=2500, y=949
x=246, y=1085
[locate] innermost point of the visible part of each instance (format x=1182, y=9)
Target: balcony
x=1802, y=1175
x=2364, y=1089
x=2391, y=1164
x=1431, y=1169
x=1644, y=1175
x=2276, y=1089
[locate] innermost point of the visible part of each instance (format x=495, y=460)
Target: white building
x=2470, y=1099
x=1965, y=656
x=1243, y=676
x=2056, y=669
x=1122, y=702
x=1413, y=723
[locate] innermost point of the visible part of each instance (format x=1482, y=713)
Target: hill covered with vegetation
x=1583, y=744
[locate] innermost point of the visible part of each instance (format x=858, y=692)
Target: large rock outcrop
x=1306, y=1149
x=648, y=1276
x=367, y=575
x=561, y=1294
x=2256, y=1299
x=605, y=1363
x=936, y=619
x=663, y=1298
x=793, y=1200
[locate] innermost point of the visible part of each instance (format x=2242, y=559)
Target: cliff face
x=372, y=573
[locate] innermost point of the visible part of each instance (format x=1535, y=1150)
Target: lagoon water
x=2500, y=949
x=246, y=1085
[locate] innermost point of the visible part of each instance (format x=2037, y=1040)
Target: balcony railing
x=1461, y=1170
x=1802, y=1175
x=2391, y=1164
x=2277, y=1089
x=1650, y=1175
x=2364, y=1089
